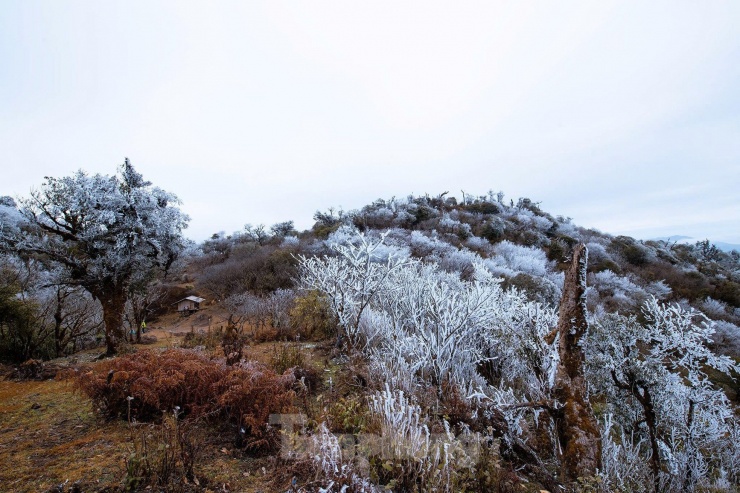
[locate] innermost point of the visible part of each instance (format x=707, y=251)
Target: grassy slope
x=50, y=434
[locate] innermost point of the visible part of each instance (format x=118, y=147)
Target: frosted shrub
x=391, y=368
x=520, y=361
x=373, y=327
x=414, y=318
x=726, y=338
x=402, y=431
x=541, y=223
x=426, y=246
x=623, y=465
x=478, y=243
x=352, y=279
x=654, y=379
x=618, y=290
x=290, y=242
x=511, y=258
x=327, y=452
x=460, y=261
x=403, y=217
x=659, y=289
x=597, y=253
x=344, y=235
x=338, y=474
x=437, y=319
x=449, y=225
x=382, y=214
x=419, y=459
x=714, y=308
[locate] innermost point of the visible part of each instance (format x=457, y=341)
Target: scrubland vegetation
x=416, y=344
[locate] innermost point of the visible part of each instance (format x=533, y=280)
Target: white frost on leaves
x=429, y=324
x=511, y=259
x=667, y=358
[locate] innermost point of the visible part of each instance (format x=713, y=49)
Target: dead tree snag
x=577, y=428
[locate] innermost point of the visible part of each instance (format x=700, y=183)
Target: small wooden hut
x=188, y=305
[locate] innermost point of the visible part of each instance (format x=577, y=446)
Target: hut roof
x=190, y=298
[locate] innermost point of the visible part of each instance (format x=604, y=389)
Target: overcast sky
x=624, y=116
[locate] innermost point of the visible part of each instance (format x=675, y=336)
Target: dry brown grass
x=48, y=435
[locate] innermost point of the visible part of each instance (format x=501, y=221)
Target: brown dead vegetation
x=146, y=384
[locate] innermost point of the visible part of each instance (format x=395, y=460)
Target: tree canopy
x=101, y=232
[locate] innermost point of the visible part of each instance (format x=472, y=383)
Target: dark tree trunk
x=58, y=319
x=578, y=429
x=642, y=394
x=60, y=334
x=114, y=302
x=650, y=419
x=689, y=479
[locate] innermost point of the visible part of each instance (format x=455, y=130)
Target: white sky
x=622, y=115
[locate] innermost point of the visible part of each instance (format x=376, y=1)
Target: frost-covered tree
x=434, y=320
x=654, y=378
x=283, y=229
x=351, y=280
x=101, y=231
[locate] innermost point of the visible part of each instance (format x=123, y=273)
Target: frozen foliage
x=511, y=259
x=290, y=242
x=597, y=252
x=477, y=243
x=531, y=220
x=622, y=455
x=659, y=289
x=418, y=322
x=40, y=319
x=726, y=338
x=10, y=218
x=450, y=225
x=442, y=317
x=462, y=261
x=402, y=429
x=714, y=308
x=620, y=292
x=423, y=245
x=520, y=262
x=337, y=472
x=654, y=378
x=519, y=350
x=430, y=461
x=103, y=232
x=351, y=280
x=260, y=311
x=433, y=321
x=608, y=281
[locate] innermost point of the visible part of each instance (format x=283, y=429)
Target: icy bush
x=511, y=259
x=654, y=380
x=478, y=243
x=726, y=338
x=418, y=458
x=714, y=308
x=623, y=464
x=290, y=242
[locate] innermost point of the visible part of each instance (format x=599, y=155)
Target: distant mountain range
x=726, y=247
